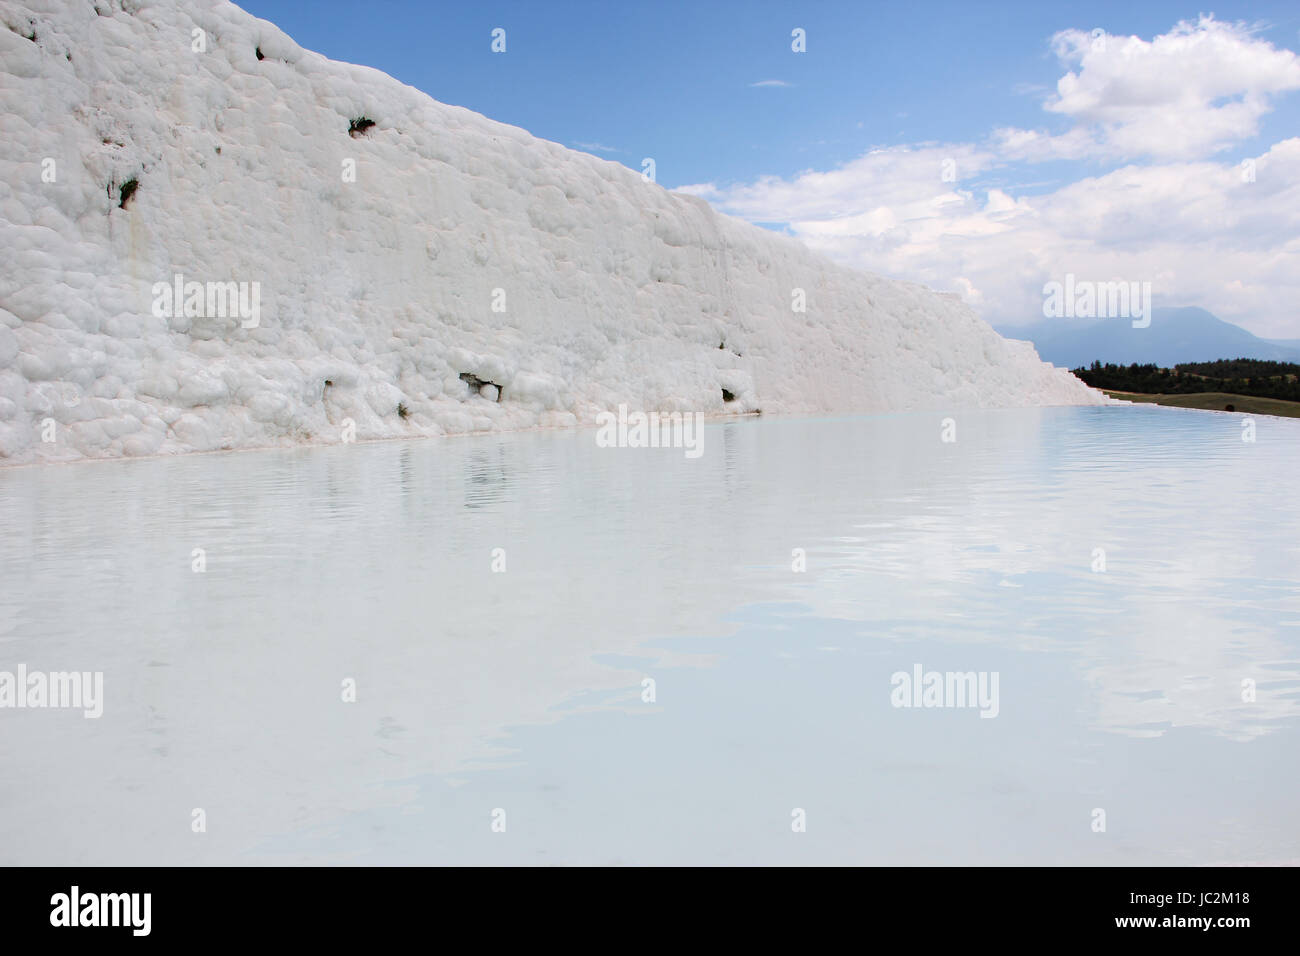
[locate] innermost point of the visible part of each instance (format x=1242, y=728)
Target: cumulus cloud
x=1205, y=229
x=1195, y=90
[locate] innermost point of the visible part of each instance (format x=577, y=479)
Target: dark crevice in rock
x=475, y=383
x=128, y=190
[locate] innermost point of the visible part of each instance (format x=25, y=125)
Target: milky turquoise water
x=516, y=697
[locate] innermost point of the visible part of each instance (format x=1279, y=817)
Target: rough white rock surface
x=380, y=293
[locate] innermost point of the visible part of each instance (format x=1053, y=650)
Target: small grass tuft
x=402, y=410
x=359, y=126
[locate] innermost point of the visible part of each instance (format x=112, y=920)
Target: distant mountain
x=1175, y=335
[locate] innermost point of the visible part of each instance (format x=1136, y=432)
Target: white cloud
x=596, y=147
x=905, y=178
x=1191, y=92
x=1183, y=218
x=771, y=83
x=1197, y=231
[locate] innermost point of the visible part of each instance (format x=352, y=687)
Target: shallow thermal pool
x=501, y=716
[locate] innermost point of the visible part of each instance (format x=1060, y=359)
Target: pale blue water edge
x=522, y=691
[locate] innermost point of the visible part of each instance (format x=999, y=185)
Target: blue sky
x=674, y=81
